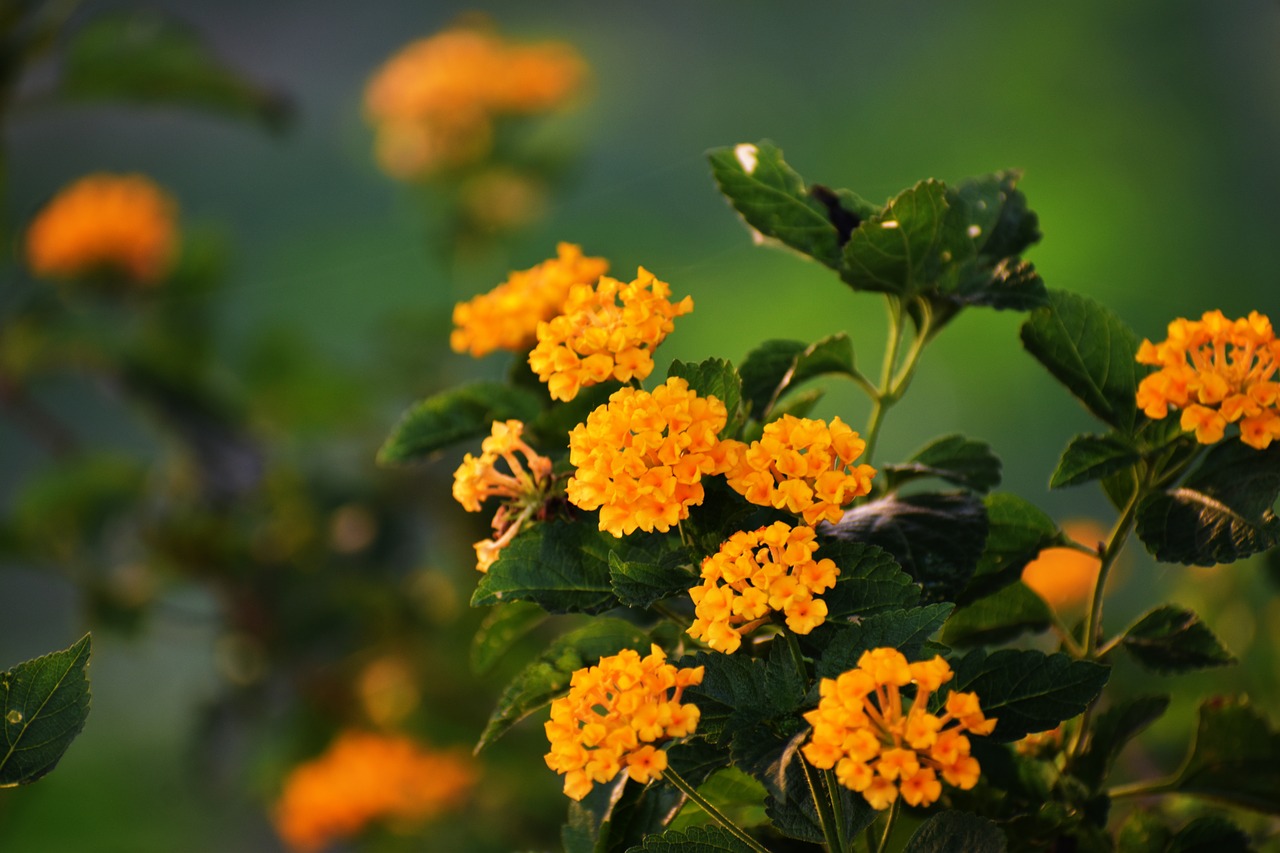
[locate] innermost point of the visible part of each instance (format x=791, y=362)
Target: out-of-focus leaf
x=1028, y=691
x=936, y=538
x=548, y=676
x=1235, y=758
x=1210, y=834
x=588, y=825
x=1114, y=728
x=147, y=58
x=1092, y=457
x=1089, y=350
x=1221, y=513
x=953, y=458
x=43, y=706
x=501, y=628
x=734, y=793
x=1169, y=640
x=460, y=413
x=777, y=367
x=1143, y=832
x=956, y=832
x=1017, y=532
x=773, y=200
x=561, y=566
x=999, y=617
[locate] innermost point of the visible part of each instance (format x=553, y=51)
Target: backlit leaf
x=1092, y=457
x=43, y=706
x=899, y=250
x=451, y=416
x=1170, y=640
x=502, y=627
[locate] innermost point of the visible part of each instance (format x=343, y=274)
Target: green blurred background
x=1146, y=132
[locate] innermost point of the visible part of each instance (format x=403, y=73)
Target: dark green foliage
x=640, y=584
x=1171, y=640
x=1235, y=758
x=777, y=367
x=1017, y=532
x=1014, y=610
x=1028, y=691
x=43, y=707
x=561, y=566
x=1092, y=457
x=695, y=839
x=451, y=416
x=870, y=581
x=904, y=630
x=1111, y=731
x=503, y=627
x=956, y=832
x=954, y=458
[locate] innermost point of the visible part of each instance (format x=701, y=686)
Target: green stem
x=688, y=790
x=826, y=817
x=825, y=797
x=888, y=827
x=837, y=807
x=1141, y=789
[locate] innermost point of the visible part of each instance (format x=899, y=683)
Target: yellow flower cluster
x=120, y=223
x=640, y=458
x=614, y=714
x=880, y=749
x=803, y=466
x=523, y=490
x=1218, y=372
x=364, y=777
x=757, y=572
x=433, y=104
x=595, y=338
x=507, y=317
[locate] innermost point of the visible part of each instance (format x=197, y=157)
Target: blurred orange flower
x=1064, y=577
x=364, y=777
x=434, y=102
x=124, y=224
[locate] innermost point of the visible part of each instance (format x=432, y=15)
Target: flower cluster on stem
x=607, y=330
x=755, y=573
x=1217, y=372
x=883, y=748
x=615, y=716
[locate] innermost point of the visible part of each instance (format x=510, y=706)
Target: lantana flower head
x=607, y=330
x=433, y=104
x=883, y=747
x=758, y=572
x=123, y=224
x=365, y=777
x=522, y=488
x=1217, y=372
x=803, y=466
x=616, y=716
x=507, y=317
x=641, y=457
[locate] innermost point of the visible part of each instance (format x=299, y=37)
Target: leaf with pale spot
x=43, y=707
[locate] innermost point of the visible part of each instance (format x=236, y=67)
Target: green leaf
x=737, y=796
x=956, y=832
x=904, y=630
x=561, y=566
x=588, y=826
x=695, y=839
x=717, y=378
x=953, y=458
x=1089, y=350
x=551, y=428
x=870, y=581
x=1210, y=834
x=1028, y=691
x=773, y=200
x=1006, y=226
x=1221, y=513
x=1092, y=457
x=1016, y=533
x=936, y=538
x=1170, y=640
x=1143, y=832
x=998, y=618
x=738, y=692
x=776, y=367
x=150, y=59
x=1235, y=758
x=460, y=413
x=900, y=249
x=43, y=706
x=1113, y=729
x=548, y=676
x=638, y=584
x=502, y=628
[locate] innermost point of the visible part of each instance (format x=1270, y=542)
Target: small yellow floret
x=864, y=729
x=123, y=224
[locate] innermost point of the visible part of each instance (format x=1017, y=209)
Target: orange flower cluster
x=1218, y=372
x=507, y=317
x=757, y=572
x=523, y=490
x=614, y=714
x=881, y=750
x=120, y=223
x=803, y=466
x=433, y=104
x=640, y=458
x=364, y=777
x=595, y=338
x=1064, y=577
